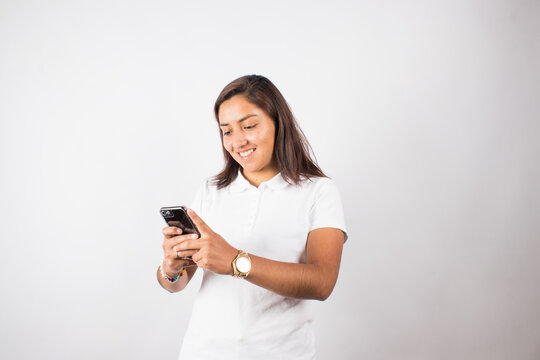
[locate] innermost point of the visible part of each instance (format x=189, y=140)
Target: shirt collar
x=240, y=183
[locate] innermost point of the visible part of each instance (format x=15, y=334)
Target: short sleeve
x=327, y=210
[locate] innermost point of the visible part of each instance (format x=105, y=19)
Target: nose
x=239, y=140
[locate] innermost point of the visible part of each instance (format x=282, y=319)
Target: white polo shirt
x=234, y=319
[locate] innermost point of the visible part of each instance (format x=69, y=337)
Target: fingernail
x=194, y=236
x=178, y=230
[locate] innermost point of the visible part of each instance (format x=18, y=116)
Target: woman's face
x=248, y=135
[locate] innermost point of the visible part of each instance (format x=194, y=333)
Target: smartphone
x=177, y=216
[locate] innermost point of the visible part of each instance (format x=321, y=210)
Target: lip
x=246, y=157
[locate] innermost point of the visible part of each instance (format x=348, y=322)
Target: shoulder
x=207, y=186
x=206, y=193
x=210, y=189
x=323, y=192
x=319, y=184
x=314, y=189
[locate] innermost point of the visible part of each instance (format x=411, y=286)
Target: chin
x=249, y=168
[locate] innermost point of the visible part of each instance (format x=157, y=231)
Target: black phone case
x=177, y=216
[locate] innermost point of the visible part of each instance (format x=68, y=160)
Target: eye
x=250, y=127
x=225, y=133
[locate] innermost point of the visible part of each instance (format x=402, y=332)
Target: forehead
x=237, y=108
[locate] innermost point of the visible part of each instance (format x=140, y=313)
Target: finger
x=180, y=239
x=197, y=257
x=177, y=264
x=199, y=223
x=185, y=253
x=170, y=231
x=189, y=263
x=191, y=244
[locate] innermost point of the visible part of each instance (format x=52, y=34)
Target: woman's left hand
x=214, y=253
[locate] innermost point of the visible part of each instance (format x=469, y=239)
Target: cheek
x=269, y=140
x=227, y=144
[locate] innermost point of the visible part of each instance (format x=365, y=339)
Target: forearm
x=304, y=281
x=313, y=280
x=178, y=285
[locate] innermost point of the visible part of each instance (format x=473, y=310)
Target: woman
x=272, y=220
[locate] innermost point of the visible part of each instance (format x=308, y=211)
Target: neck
x=257, y=178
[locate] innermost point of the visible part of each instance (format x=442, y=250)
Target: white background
x=425, y=113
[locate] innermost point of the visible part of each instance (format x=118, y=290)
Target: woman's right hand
x=174, y=262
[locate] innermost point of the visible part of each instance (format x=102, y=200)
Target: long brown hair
x=291, y=148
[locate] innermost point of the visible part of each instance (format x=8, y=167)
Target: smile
x=244, y=155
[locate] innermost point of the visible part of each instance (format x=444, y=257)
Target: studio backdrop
x=424, y=113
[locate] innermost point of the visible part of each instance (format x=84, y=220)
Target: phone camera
x=167, y=213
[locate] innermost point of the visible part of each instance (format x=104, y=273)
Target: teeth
x=246, y=153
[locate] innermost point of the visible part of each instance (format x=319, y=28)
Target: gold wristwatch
x=241, y=265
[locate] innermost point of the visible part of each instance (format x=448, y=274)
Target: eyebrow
x=242, y=119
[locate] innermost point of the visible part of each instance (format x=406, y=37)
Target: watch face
x=243, y=264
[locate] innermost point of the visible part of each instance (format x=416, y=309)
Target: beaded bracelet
x=168, y=278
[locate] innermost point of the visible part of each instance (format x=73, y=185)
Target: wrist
x=167, y=275
x=241, y=265
x=233, y=258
